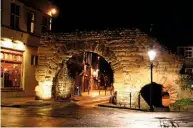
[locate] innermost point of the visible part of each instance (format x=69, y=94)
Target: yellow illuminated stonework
x=129, y=61
x=43, y=90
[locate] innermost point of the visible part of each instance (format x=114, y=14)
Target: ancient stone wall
x=126, y=51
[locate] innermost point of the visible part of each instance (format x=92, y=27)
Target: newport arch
x=126, y=51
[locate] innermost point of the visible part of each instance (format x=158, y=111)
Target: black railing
x=129, y=104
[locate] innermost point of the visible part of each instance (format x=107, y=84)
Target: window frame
x=187, y=52
x=31, y=21
x=14, y=16
x=17, y=61
x=44, y=26
x=34, y=60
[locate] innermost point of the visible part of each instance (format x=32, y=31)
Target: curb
x=25, y=105
x=111, y=106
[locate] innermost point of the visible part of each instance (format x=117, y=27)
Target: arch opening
x=154, y=94
x=90, y=74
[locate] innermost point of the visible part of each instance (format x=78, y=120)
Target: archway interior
x=90, y=71
x=155, y=91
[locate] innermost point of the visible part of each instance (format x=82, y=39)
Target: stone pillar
x=64, y=84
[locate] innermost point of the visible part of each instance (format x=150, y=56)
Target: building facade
x=187, y=53
x=21, y=27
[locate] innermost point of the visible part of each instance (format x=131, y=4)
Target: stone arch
x=55, y=67
x=63, y=83
x=125, y=49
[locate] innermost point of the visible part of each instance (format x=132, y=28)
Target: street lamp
x=51, y=13
x=151, y=55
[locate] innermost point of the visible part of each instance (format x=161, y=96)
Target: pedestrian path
x=31, y=102
x=23, y=102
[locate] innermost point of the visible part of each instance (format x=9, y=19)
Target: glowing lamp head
x=151, y=55
x=53, y=11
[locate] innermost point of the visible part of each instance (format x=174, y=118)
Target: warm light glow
x=192, y=86
x=151, y=55
x=94, y=73
x=46, y=90
x=7, y=43
x=1, y=56
x=94, y=94
x=6, y=39
x=19, y=45
x=43, y=90
x=53, y=11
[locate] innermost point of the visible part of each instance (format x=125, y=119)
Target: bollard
x=139, y=100
x=130, y=99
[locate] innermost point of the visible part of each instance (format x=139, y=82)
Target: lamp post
x=151, y=55
x=51, y=13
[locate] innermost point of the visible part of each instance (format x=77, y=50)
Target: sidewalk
x=31, y=102
x=23, y=102
x=110, y=105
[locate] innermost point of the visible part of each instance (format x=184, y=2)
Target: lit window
x=30, y=22
x=34, y=60
x=11, y=69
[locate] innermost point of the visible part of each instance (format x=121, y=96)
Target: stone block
x=53, y=65
x=40, y=78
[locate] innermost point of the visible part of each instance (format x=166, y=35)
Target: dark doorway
x=156, y=94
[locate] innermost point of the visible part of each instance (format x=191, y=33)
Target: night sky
x=172, y=21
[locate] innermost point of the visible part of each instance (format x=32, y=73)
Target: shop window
x=11, y=74
x=30, y=22
x=34, y=60
x=11, y=68
x=15, y=13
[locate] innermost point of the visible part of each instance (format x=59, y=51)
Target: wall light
x=7, y=43
x=19, y=45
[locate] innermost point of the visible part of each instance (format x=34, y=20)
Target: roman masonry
x=124, y=49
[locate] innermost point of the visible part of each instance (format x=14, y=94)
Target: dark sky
x=173, y=24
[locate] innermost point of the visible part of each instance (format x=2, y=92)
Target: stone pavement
x=30, y=101
x=102, y=101
x=23, y=102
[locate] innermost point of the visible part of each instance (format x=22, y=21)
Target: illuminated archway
x=126, y=51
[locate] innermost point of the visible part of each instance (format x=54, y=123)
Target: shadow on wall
x=156, y=94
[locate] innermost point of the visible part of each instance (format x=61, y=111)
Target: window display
x=11, y=69
x=11, y=74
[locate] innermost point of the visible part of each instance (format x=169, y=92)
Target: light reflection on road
x=91, y=116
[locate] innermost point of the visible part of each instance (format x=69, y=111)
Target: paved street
x=90, y=115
